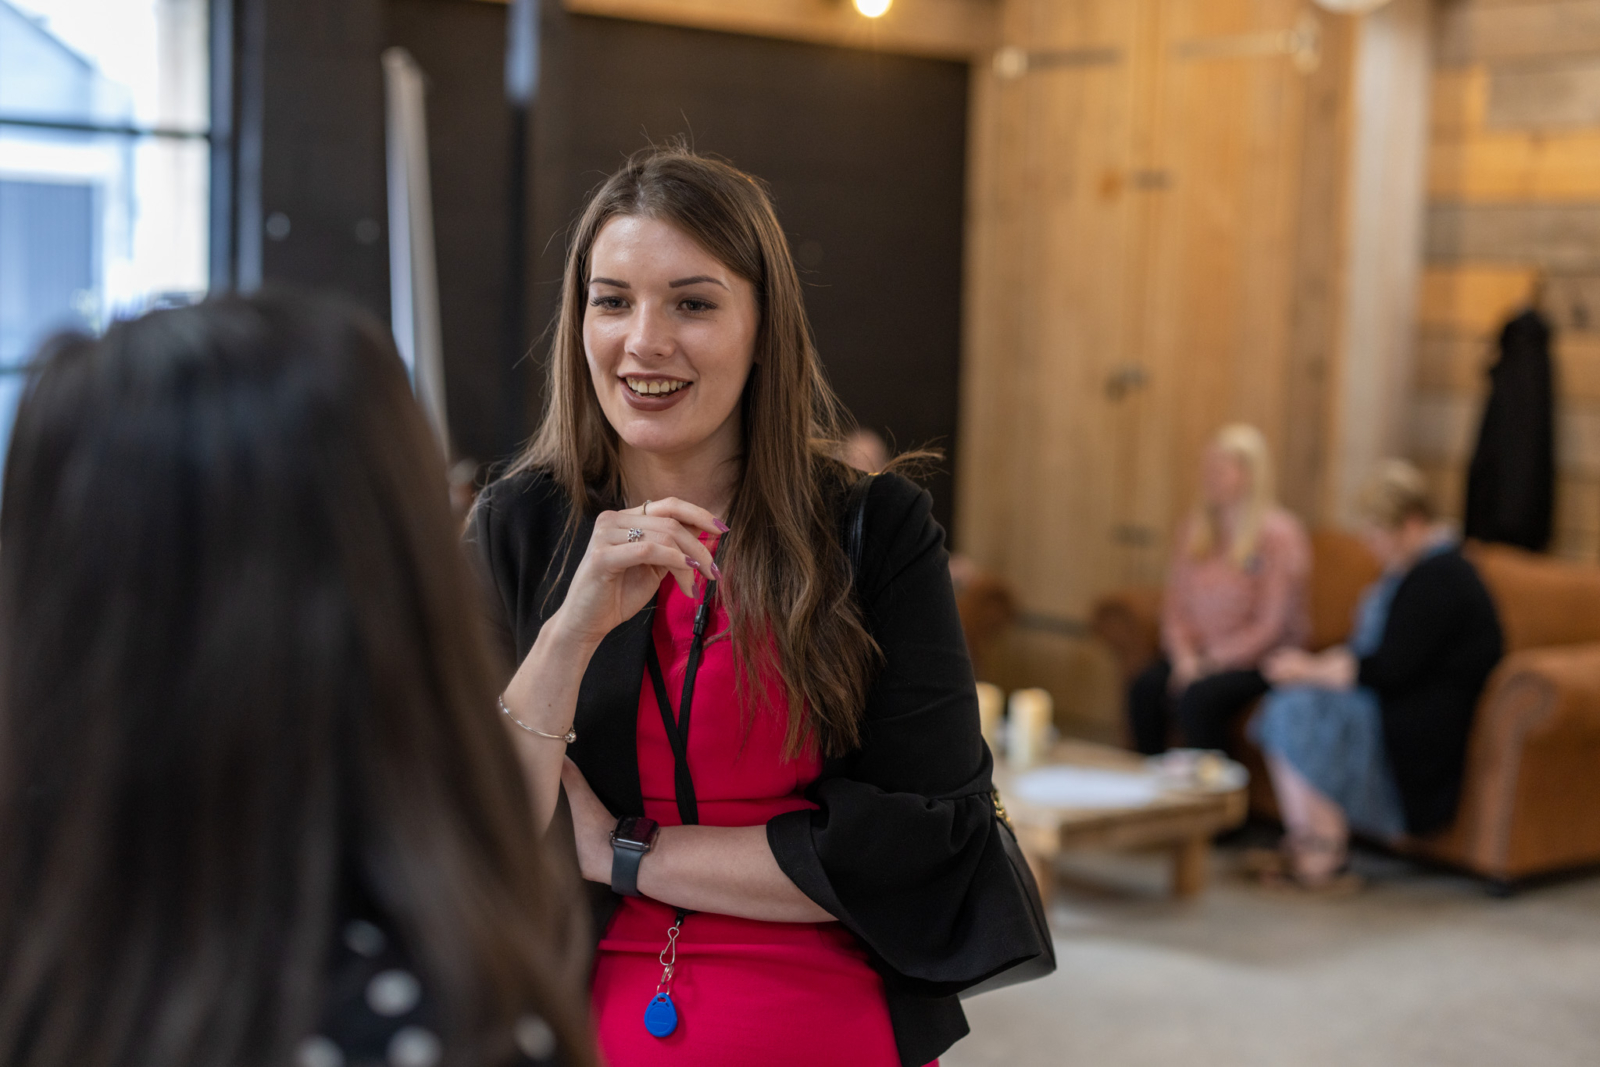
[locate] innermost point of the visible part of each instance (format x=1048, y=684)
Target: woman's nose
x=651, y=335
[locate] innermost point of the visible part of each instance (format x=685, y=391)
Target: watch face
x=636, y=831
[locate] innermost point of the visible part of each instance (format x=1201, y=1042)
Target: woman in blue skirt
x=1370, y=737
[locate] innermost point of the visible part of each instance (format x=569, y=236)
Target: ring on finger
x=645, y=510
x=635, y=535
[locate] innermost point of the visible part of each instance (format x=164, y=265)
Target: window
x=104, y=167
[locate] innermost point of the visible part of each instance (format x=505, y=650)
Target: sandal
x=1341, y=881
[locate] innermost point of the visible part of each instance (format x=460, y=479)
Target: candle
x=1028, y=732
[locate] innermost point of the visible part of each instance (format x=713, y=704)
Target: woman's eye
x=695, y=304
x=611, y=303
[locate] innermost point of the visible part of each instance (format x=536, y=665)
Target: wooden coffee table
x=1183, y=820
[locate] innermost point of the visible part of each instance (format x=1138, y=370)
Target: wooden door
x=1134, y=285
x=1050, y=273
x=1213, y=311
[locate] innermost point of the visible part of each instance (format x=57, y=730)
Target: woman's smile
x=653, y=393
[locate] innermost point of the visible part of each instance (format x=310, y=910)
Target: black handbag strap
x=1044, y=962
x=855, y=525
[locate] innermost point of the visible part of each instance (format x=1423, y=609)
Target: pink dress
x=746, y=991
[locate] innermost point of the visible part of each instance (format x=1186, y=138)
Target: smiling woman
x=658, y=339
x=812, y=873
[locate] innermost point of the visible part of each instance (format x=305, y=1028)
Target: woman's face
x=669, y=333
x=1382, y=542
x=1223, y=478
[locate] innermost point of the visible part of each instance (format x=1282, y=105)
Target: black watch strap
x=625, y=869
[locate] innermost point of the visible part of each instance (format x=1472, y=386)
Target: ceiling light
x=1351, y=7
x=873, y=8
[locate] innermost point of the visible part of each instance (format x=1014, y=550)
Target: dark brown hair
x=788, y=585
x=241, y=676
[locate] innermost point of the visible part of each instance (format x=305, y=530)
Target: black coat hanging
x=1511, y=483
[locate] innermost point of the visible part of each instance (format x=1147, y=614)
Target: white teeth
x=654, y=386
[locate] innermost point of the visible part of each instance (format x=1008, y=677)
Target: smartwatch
x=634, y=836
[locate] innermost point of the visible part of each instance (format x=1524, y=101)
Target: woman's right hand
x=616, y=578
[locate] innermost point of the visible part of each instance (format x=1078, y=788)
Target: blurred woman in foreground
x=1371, y=736
x=256, y=806
x=1236, y=591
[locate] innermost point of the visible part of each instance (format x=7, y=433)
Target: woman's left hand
x=592, y=823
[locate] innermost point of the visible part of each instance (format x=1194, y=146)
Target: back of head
x=240, y=679
x=1396, y=491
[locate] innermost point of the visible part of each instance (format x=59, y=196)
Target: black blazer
x=901, y=847
x=1440, y=642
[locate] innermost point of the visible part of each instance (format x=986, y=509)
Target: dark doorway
x=865, y=154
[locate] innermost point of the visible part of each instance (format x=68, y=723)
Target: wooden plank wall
x=1514, y=196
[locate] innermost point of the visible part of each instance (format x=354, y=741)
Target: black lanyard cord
x=678, y=731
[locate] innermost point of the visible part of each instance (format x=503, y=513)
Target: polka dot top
x=378, y=1013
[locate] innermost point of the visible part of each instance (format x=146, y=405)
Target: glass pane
x=117, y=62
x=93, y=227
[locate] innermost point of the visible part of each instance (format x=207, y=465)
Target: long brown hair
x=788, y=583
x=241, y=679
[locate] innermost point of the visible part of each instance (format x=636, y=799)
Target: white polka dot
x=393, y=992
x=318, y=1051
x=535, y=1038
x=364, y=939
x=414, y=1047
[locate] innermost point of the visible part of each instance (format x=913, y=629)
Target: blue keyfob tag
x=661, y=1016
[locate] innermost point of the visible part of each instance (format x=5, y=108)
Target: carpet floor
x=1422, y=969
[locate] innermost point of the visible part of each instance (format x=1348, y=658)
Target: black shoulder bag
x=1045, y=961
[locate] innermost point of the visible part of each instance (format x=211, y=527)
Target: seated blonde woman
x=1371, y=736
x=1236, y=591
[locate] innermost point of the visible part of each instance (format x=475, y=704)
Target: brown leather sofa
x=1531, y=799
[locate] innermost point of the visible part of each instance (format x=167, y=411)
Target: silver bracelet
x=569, y=737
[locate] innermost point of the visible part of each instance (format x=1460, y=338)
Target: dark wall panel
x=312, y=118
x=309, y=191
x=460, y=46
x=865, y=154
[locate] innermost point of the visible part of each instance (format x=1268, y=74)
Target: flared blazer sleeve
x=902, y=846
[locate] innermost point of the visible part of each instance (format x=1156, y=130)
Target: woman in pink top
x=1236, y=591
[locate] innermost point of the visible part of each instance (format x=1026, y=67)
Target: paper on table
x=1085, y=787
